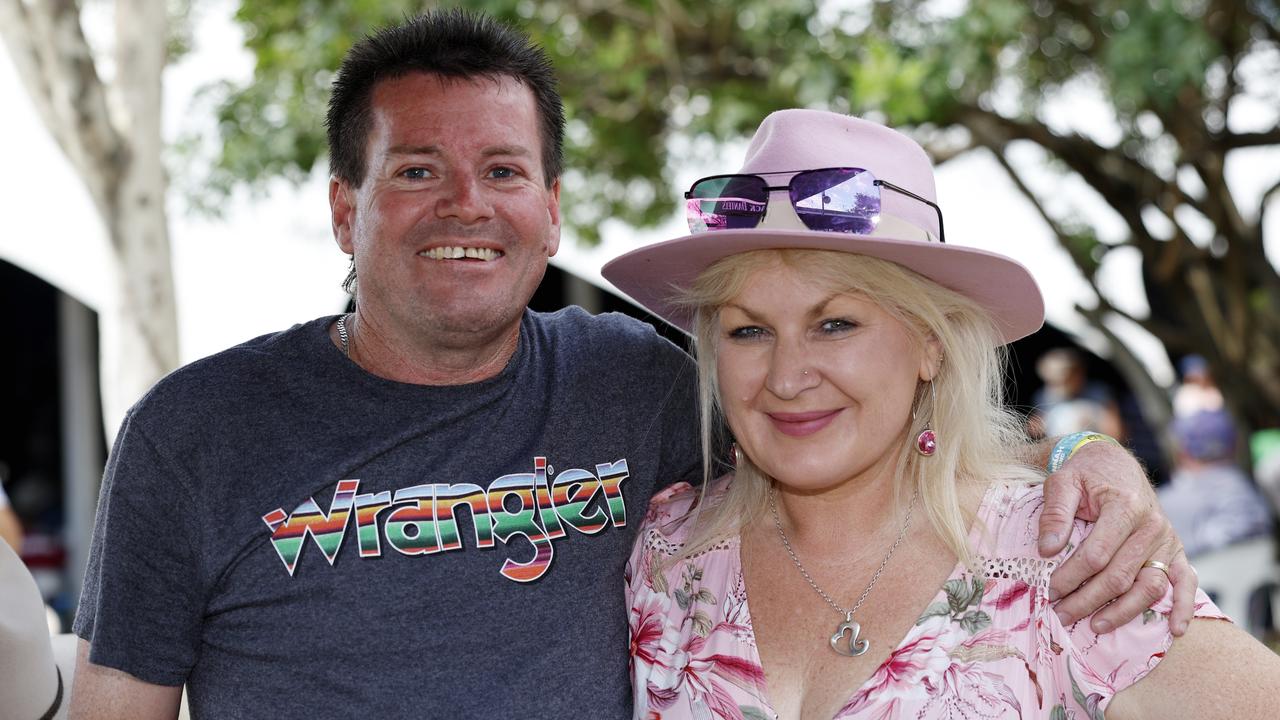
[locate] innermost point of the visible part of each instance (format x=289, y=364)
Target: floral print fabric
x=988, y=646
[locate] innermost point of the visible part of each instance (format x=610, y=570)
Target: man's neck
x=440, y=358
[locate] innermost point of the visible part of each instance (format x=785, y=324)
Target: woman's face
x=816, y=385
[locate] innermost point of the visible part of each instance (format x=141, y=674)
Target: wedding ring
x=1159, y=566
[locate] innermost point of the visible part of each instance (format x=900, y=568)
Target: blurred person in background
x=1210, y=500
x=1265, y=447
x=1198, y=391
x=1070, y=402
x=10, y=526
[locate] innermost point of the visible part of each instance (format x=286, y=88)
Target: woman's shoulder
x=671, y=512
x=1093, y=667
x=664, y=535
x=1008, y=519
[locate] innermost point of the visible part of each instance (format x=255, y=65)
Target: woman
x=873, y=553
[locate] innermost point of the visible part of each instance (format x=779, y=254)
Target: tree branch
x=1272, y=32
x=1222, y=19
x=1061, y=232
x=1150, y=324
x=1262, y=207
x=15, y=30
x=56, y=65
x=1125, y=184
x=1232, y=141
x=1152, y=399
x=941, y=149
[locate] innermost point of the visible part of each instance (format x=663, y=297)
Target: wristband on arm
x=1069, y=444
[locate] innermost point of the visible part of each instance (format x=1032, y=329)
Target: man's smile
x=457, y=252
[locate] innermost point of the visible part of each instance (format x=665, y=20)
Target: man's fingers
x=1185, y=583
x=1115, y=543
x=1101, y=589
x=1150, y=586
x=1061, y=503
x=1133, y=595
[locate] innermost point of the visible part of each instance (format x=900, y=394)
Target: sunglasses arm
x=942, y=234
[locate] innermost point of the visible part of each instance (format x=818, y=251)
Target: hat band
x=57, y=700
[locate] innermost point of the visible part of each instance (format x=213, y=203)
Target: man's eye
x=502, y=173
x=416, y=173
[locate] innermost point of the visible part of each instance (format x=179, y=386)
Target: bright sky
x=271, y=263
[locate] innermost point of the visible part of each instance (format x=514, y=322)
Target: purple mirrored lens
x=837, y=200
x=726, y=203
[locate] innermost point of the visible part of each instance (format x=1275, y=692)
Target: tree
x=648, y=84
x=110, y=131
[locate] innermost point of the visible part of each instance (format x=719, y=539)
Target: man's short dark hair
x=451, y=43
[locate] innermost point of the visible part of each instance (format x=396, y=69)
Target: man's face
x=453, y=224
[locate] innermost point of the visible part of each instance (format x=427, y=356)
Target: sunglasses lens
x=837, y=200
x=727, y=203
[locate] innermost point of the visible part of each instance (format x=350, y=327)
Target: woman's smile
x=800, y=424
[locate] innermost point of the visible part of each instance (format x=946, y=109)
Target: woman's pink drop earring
x=927, y=440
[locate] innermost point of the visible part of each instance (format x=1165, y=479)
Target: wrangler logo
x=421, y=520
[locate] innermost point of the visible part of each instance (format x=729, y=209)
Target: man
x=1210, y=500
x=422, y=508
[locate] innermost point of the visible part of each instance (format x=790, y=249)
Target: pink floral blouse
x=987, y=646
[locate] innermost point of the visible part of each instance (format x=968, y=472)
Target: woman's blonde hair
x=979, y=440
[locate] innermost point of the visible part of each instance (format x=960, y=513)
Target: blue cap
x=1207, y=435
x=1190, y=364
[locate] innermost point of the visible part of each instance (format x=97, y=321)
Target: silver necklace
x=342, y=336
x=852, y=647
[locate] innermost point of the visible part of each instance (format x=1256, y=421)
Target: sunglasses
x=829, y=199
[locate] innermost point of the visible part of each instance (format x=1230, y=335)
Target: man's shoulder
x=617, y=333
x=576, y=320
x=244, y=369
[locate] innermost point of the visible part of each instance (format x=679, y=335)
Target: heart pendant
x=853, y=647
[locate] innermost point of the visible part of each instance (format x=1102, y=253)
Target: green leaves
x=961, y=594
x=1154, y=52
x=974, y=621
x=934, y=610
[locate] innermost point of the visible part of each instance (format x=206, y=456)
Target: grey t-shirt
x=296, y=538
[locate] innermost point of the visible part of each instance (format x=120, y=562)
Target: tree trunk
x=112, y=135
x=143, y=345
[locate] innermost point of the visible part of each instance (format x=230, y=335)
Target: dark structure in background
x=52, y=444
x=30, y=441
x=1023, y=383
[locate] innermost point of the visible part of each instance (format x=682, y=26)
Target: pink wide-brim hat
x=907, y=233
x=32, y=681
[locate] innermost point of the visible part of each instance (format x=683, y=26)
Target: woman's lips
x=801, y=424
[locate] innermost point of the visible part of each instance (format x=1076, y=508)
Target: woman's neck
x=848, y=518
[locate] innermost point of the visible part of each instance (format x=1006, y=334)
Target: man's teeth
x=457, y=253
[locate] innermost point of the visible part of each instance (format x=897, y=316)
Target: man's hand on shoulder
x=1104, y=484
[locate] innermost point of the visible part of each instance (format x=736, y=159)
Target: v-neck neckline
x=956, y=571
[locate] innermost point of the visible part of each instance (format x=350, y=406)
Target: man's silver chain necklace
x=852, y=647
x=342, y=336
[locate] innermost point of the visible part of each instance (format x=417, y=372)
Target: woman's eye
x=837, y=325
x=749, y=332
